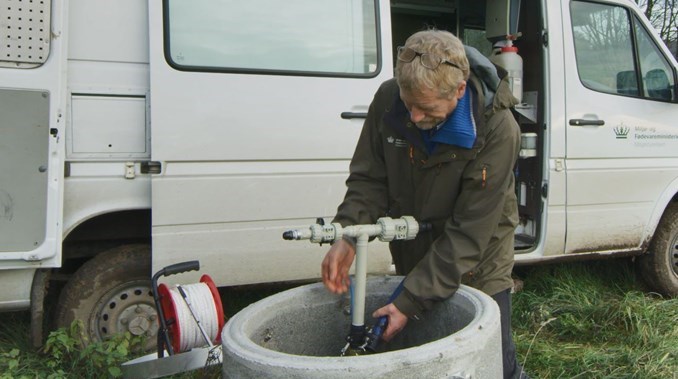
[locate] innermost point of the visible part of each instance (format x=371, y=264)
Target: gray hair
x=412, y=76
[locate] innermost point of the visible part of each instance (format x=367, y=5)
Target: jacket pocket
x=451, y=154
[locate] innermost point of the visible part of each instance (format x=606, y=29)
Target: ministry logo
x=396, y=141
x=621, y=132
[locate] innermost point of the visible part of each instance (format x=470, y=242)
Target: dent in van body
x=6, y=206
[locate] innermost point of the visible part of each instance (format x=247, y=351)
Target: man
x=439, y=144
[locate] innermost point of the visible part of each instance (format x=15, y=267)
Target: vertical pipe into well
x=358, y=313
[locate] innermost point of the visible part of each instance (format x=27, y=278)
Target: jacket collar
x=398, y=117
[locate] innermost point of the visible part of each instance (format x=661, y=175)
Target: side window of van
x=477, y=39
x=615, y=54
x=304, y=37
x=655, y=70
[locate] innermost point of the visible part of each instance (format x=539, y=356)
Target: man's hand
x=335, y=266
x=396, y=320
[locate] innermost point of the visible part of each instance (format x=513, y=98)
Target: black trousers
x=512, y=368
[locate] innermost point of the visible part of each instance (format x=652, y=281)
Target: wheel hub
x=138, y=320
x=128, y=307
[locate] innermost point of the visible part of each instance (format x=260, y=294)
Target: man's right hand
x=335, y=266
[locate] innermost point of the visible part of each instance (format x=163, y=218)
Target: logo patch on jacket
x=397, y=142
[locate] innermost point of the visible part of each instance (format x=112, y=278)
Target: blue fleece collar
x=459, y=129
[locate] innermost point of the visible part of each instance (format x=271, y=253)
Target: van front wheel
x=659, y=267
x=111, y=293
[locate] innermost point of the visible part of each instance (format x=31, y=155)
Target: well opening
x=300, y=333
x=316, y=324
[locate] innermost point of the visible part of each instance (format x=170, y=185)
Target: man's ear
x=461, y=90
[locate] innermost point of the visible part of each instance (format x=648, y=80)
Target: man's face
x=427, y=109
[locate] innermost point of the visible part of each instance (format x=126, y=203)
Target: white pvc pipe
x=358, y=313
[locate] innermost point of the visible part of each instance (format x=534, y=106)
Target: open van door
x=32, y=112
x=255, y=114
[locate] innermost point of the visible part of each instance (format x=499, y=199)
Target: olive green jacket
x=467, y=194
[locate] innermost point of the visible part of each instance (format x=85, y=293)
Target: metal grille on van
x=24, y=32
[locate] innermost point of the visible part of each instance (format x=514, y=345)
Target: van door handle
x=350, y=115
x=583, y=122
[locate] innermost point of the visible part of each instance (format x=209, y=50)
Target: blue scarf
x=458, y=129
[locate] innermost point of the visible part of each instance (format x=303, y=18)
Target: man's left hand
x=396, y=320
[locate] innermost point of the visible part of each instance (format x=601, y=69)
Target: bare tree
x=663, y=14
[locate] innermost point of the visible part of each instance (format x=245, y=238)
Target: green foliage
x=66, y=356
x=12, y=359
x=64, y=349
x=590, y=320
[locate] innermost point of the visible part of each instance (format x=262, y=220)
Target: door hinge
x=545, y=38
x=150, y=167
x=129, y=170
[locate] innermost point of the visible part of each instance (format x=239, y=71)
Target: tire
x=111, y=293
x=659, y=267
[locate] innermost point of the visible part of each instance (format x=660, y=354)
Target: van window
x=477, y=39
x=658, y=80
x=603, y=48
x=306, y=37
x=606, y=53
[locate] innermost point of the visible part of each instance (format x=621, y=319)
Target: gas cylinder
x=507, y=58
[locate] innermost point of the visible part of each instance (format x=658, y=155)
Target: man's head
x=431, y=70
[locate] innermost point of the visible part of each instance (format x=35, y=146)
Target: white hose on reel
x=200, y=297
x=206, y=305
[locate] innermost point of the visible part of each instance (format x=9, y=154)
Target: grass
x=579, y=320
x=594, y=321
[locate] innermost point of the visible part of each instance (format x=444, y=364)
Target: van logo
x=621, y=131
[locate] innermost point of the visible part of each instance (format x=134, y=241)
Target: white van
x=205, y=128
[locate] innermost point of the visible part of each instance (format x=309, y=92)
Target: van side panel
x=19, y=281
x=108, y=124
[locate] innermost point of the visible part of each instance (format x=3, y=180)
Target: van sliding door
x=255, y=113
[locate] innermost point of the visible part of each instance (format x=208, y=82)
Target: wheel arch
x=85, y=240
x=670, y=195
x=104, y=231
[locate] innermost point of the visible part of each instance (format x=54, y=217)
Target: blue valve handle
x=375, y=333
